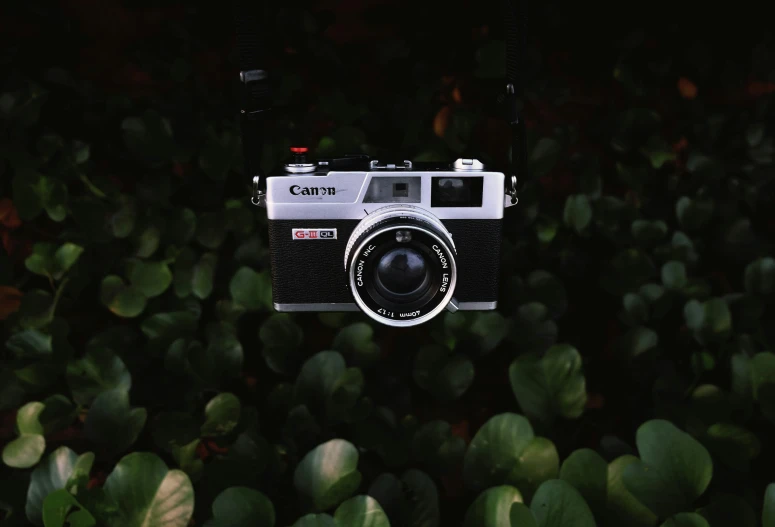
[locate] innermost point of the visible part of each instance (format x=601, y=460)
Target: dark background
x=417, y=80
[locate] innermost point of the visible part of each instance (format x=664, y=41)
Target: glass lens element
x=402, y=271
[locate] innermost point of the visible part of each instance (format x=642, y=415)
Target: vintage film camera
x=401, y=242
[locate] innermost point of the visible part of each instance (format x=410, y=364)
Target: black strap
x=515, y=16
x=253, y=20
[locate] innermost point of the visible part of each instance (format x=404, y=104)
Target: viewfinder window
x=390, y=189
x=456, y=191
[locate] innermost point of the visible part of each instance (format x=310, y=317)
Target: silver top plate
x=340, y=195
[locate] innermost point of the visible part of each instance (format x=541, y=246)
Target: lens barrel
x=401, y=266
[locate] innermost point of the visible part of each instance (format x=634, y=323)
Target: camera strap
x=253, y=20
x=515, y=16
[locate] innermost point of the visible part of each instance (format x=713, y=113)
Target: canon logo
x=296, y=190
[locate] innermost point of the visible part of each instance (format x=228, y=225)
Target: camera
x=401, y=242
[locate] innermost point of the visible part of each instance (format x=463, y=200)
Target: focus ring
x=379, y=216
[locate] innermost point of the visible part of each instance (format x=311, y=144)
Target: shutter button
x=299, y=163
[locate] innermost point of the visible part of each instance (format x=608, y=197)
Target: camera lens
x=402, y=272
x=401, y=265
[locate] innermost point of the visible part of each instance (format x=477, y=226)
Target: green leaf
x=636, y=309
x=674, y=275
x=150, y=278
x=315, y=520
x=49, y=261
x=30, y=344
x=578, y=212
x=445, y=374
x=522, y=516
x=211, y=230
x=122, y=300
x=220, y=362
x=149, y=138
x=122, y=221
x=648, y=233
x=251, y=289
x=222, y=415
x=282, y=339
x=505, y=451
x=147, y=241
x=674, y=468
x=588, y=473
x=693, y=214
x=623, y=507
x=762, y=369
x=97, y=371
x=187, y=458
x=361, y=511
x=768, y=511
x=28, y=418
x=686, y=519
x=65, y=257
x=550, y=386
x=489, y=329
x=493, y=508
x=41, y=261
x=658, y=151
x=183, y=274
x=62, y=469
x=356, y=341
x=328, y=474
x=317, y=379
x=413, y=500
x=147, y=494
x=436, y=446
x=711, y=321
x=182, y=227
x=542, y=286
x=24, y=451
x=58, y=413
x=546, y=229
x=169, y=326
x=628, y=270
x=111, y=422
x=345, y=393
x=638, y=340
x=57, y=509
x=423, y=497
x=557, y=504
x=37, y=309
x=733, y=444
x=242, y=507
x=539, y=462
x=543, y=156
x=204, y=274
x=759, y=276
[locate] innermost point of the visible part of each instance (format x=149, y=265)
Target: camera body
x=401, y=242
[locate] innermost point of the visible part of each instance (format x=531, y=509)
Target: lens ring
x=444, y=274
x=393, y=212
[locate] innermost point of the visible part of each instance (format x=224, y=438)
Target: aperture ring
x=391, y=212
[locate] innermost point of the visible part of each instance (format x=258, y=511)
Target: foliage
x=627, y=378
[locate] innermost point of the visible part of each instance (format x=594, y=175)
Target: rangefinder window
x=393, y=190
x=456, y=191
